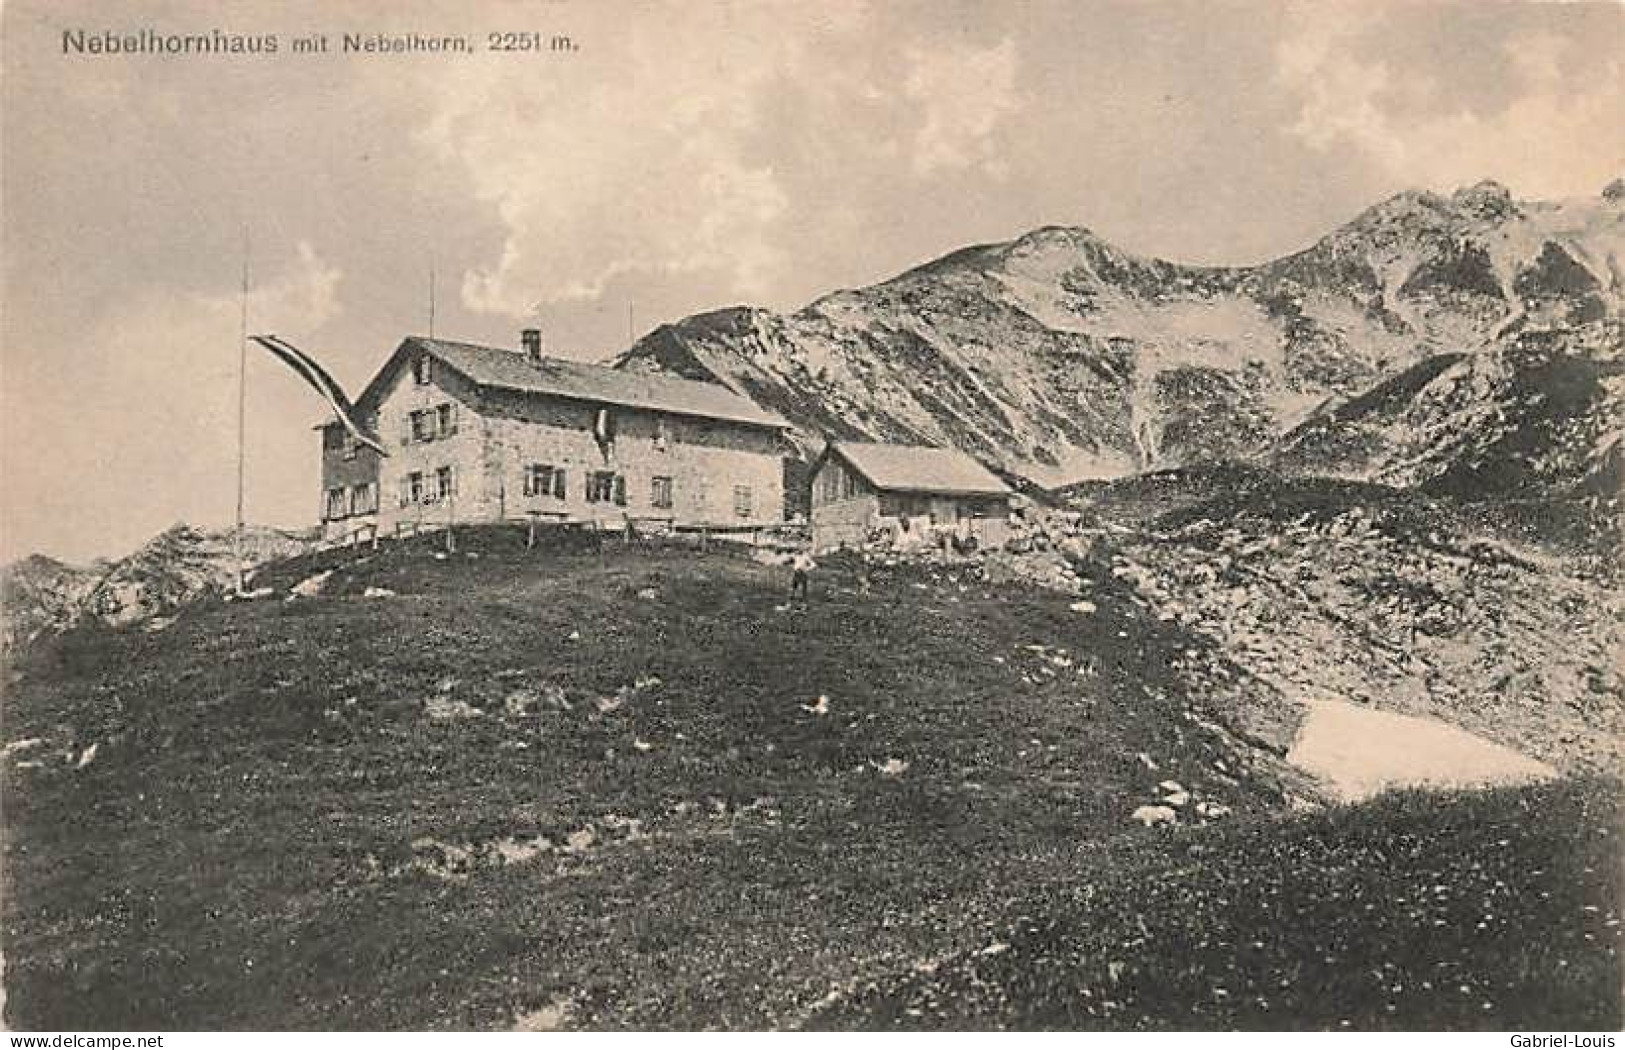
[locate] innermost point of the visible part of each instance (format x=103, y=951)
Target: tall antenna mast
x=431, y=297
x=242, y=415
x=631, y=326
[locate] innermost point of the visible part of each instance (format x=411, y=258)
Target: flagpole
x=242, y=415
x=431, y=297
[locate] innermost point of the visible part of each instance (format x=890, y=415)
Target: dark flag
x=324, y=384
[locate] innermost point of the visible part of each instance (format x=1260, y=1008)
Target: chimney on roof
x=530, y=340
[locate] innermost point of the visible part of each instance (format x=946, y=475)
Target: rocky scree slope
x=1397, y=603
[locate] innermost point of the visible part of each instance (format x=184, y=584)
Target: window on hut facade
x=660, y=493
x=411, y=488
x=423, y=370
x=742, y=500
x=542, y=479
x=836, y=483
x=446, y=420
x=422, y=425
x=337, y=504
x=364, y=498
x=445, y=483
x=606, y=486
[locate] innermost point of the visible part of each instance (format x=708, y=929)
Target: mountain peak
x=35, y=563
x=1066, y=235
x=1486, y=198
x=1045, y=241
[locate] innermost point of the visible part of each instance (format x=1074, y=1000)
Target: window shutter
x=406, y=430
x=558, y=482
x=454, y=417
x=620, y=490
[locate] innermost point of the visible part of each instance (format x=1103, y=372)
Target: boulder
x=1151, y=816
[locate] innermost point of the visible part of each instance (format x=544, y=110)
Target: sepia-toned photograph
x=665, y=516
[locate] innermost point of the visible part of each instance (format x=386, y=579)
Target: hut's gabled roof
x=489, y=366
x=918, y=468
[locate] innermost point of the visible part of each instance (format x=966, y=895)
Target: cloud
x=307, y=296
x=700, y=146
x=648, y=163
x=963, y=92
x=1339, y=92
x=1555, y=134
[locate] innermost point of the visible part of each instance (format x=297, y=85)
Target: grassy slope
x=1491, y=911
x=241, y=852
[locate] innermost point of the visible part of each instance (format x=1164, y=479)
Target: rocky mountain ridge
x=1059, y=357
x=41, y=594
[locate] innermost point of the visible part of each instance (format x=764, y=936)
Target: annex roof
x=918, y=468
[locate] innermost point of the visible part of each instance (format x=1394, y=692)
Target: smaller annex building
x=908, y=495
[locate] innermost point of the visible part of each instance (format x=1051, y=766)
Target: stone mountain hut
x=478, y=433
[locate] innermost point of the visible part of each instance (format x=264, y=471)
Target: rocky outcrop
x=176, y=566
x=1538, y=415
x=1399, y=606
x=39, y=594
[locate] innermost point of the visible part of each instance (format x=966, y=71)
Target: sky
x=684, y=156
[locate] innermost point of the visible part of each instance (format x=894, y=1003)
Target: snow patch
x=1357, y=752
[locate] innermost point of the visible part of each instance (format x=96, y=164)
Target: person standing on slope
x=801, y=567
